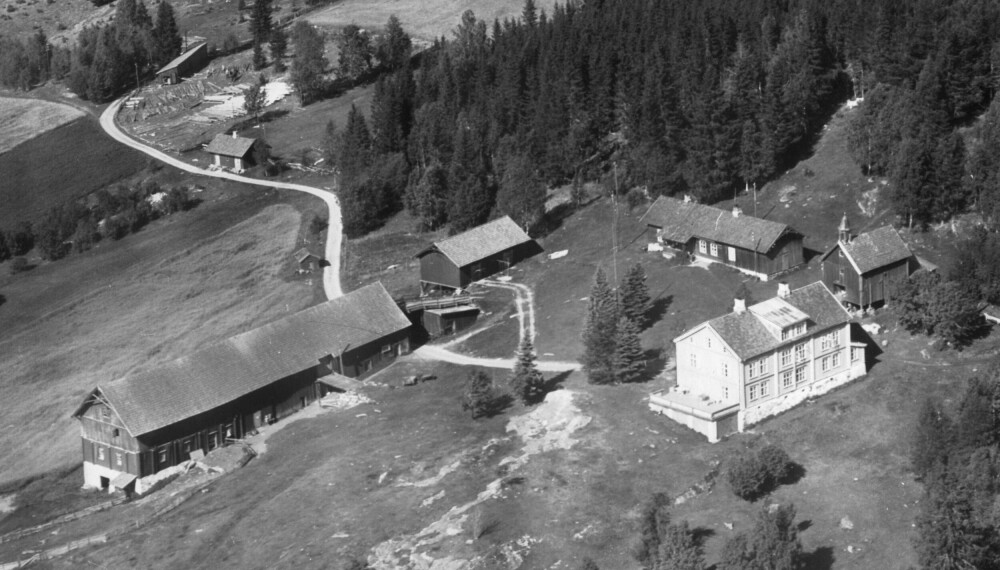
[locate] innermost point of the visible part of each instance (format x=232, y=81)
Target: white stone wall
x=706, y=428
x=92, y=474
x=774, y=406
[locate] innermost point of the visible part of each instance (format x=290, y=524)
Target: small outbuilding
x=185, y=64
x=485, y=250
x=865, y=269
x=233, y=152
x=307, y=260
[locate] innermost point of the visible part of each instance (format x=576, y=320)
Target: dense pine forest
x=706, y=97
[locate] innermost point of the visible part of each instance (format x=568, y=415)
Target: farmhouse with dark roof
x=233, y=152
x=757, y=247
x=485, y=250
x=135, y=427
x=735, y=370
x=864, y=270
x=185, y=64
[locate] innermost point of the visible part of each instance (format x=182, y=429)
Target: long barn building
x=761, y=248
x=135, y=427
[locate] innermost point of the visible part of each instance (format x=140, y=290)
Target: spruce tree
x=634, y=295
x=355, y=147
x=771, y=543
x=254, y=98
x=628, y=362
x=479, y=394
x=260, y=21
x=526, y=381
x=309, y=62
x=653, y=522
x=600, y=331
x=394, y=46
x=278, y=47
x=679, y=549
x=166, y=35
x=931, y=438
x=258, y=59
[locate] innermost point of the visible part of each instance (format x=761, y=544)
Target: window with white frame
x=725, y=369
x=708, y=341
x=715, y=249
x=786, y=357
x=786, y=379
x=824, y=363
x=800, y=374
x=835, y=360
x=725, y=392
x=801, y=352
x=703, y=246
x=694, y=360
x=855, y=354
x=753, y=392
x=118, y=458
x=100, y=454
x=830, y=340
x=732, y=253
x=765, y=388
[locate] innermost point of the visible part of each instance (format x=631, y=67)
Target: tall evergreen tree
x=931, y=439
x=355, y=147
x=309, y=62
x=355, y=52
x=522, y=193
x=634, y=295
x=166, y=34
x=260, y=21
x=628, y=363
x=599, y=334
x=526, y=381
x=279, y=47
x=480, y=396
x=393, y=47
x=679, y=549
x=772, y=543
x=653, y=522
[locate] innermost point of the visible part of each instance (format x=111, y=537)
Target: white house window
x=800, y=374
x=694, y=360
x=786, y=357
x=715, y=250
x=764, y=390
x=835, y=360
x=387, y=350
x=118, y=458
x=732, y=253
x=100, y=454
x=829, y=340
x=801, y=352
x=163, y=455
x=786, y=379
x=708, y=341
x=702, y=246
x=824, y=364
x=725, y=369
x=753, y=392
x=855, y=354
x=725, y=392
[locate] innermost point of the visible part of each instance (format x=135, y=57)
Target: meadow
x=24, y=119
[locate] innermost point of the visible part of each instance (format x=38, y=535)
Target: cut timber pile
x=344, y=400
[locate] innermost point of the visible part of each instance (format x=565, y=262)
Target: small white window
x=100, y=454
x=764, y=389
x=703, y=246
x=387, y=350
x=715, y=249
x=786, y=357
x=835, y=360
x=753, y=393
x=800, y=374
x=725, y=369
x=801, y=352
x=694, y=360
x=855, y=354
x=824, y=363
x=118, y=458
x=708, y=341
x=725, y=392
x=786, y=379
x=732, y=253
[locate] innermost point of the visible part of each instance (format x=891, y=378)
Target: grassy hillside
x=125, y=306
x=63, y=164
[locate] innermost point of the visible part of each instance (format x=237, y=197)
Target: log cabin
x=183, y=65
x=761, y=248
x=485, y=250
x=735, y=370
x=233, y=152
x=865, y=270
x=135, y=427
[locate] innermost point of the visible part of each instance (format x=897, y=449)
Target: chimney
x=739, y=305
x=844, y=231
x=737, y=212
x=234, y=135
x=783, y=290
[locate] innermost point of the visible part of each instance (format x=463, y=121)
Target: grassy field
x=23, y=119
x=426, y=20
x=63, y=164
x=127, y=306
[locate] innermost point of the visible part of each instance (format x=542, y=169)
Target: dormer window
x=793, y=331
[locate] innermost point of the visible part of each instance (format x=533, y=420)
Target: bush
x=753, y=474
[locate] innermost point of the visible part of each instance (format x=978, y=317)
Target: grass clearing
x=130, y=305
x=24, y=119
x=62, y=164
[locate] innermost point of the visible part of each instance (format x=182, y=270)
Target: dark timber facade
x=758, y=247
x=137, y=426
x=483, y=251
x=865, y=270
x=185, y=64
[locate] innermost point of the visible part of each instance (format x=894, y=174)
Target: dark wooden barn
x=864, y=270
x=134, y=427
x=758, y=247
x=233, y=152
x=307, y=260
x=478, y=253
x=185, y=64
x=449, y=320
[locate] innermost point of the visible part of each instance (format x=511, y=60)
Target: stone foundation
x=775, y=406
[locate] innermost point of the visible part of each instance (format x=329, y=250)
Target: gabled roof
x=680, y=221
x=228, y=145
x=480, y=242
x=177, y=61
x=220, y=373
x=747, y=335
x=303, y=254
x=875, y=249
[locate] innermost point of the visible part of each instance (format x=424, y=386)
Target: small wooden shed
x=478, y=253
x=866, y=269
x=449, y=320
x=307, y=260
x=233, y=152
x=185, y=64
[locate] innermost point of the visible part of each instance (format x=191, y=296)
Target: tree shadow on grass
x=658, y=310
x=556, y=382
x=656, y=363
x=796, y=472
x=3, y=299
x=820, y=559
x=702, y=534
x=805, y=525
x=498, y=405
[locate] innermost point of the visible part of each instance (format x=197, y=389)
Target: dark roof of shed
x=228, y=145
x=681, y=221
x=746, y=334
x=220, y=373
x=177, y=61
x=480, y=242
x=303, y=254
x=875, y=249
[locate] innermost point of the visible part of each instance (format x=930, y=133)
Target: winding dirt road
x=331, y=273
